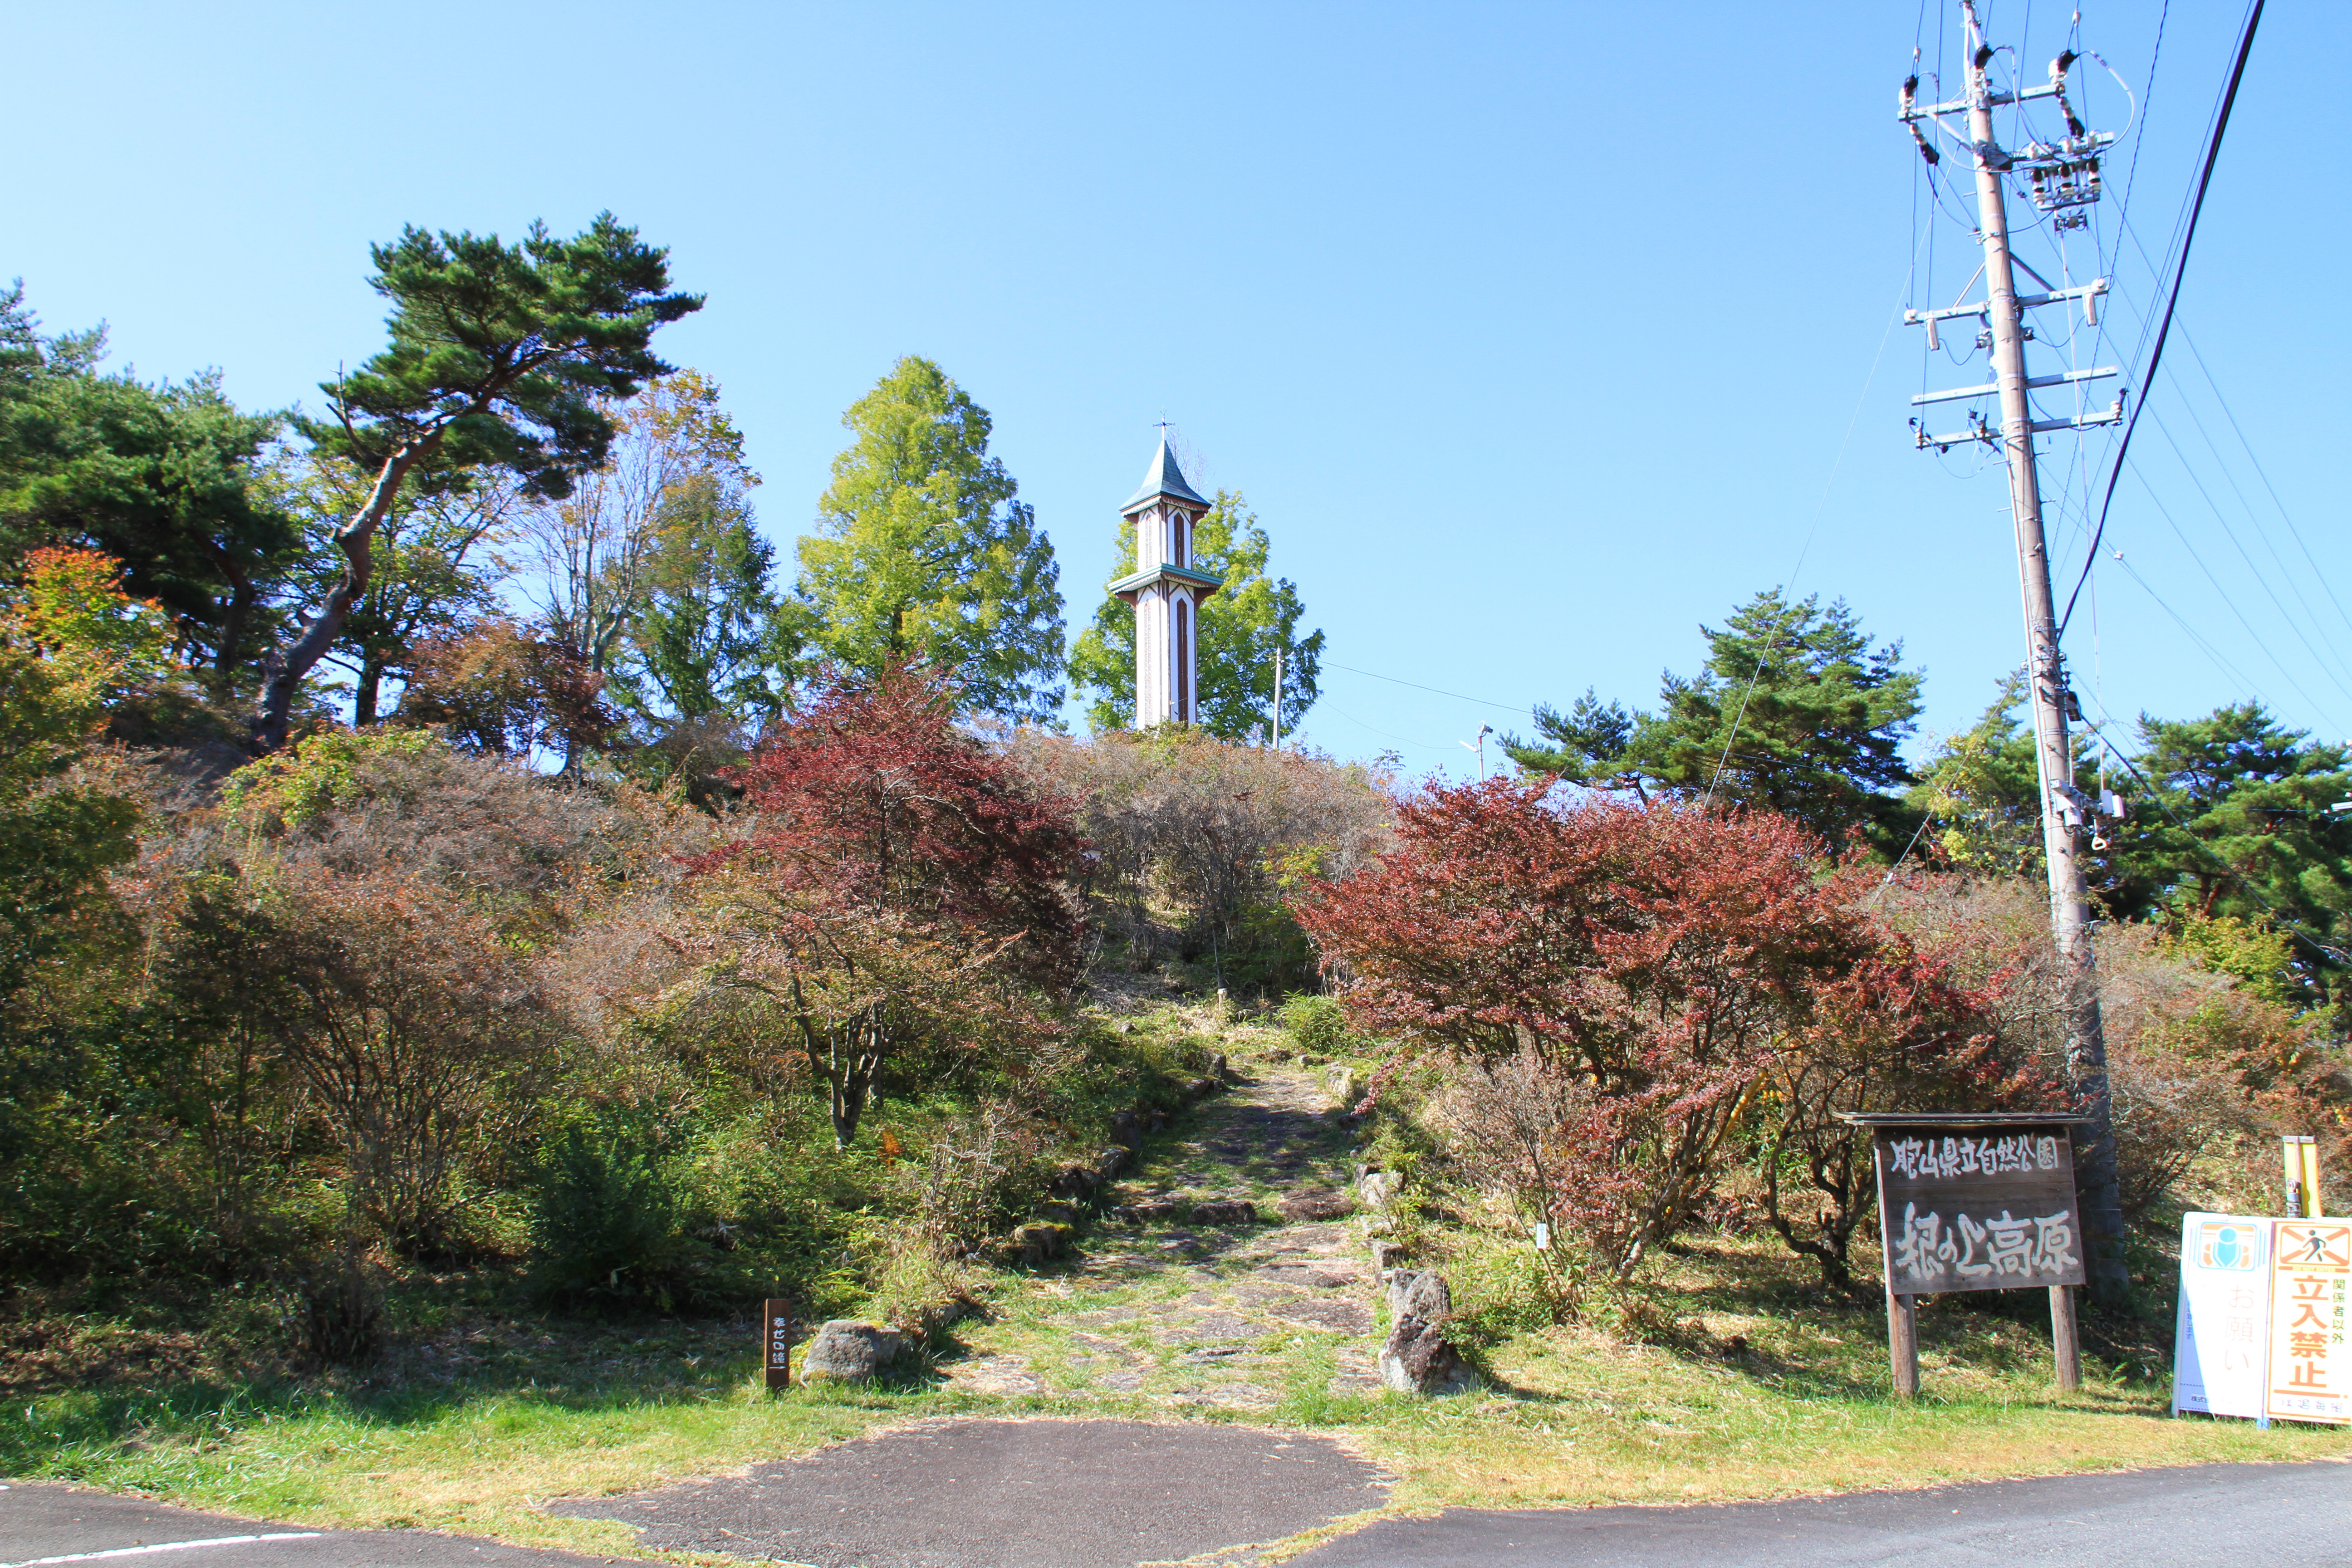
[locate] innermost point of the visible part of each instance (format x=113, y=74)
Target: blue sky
x=1536, y=335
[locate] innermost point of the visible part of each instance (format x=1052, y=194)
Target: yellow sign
x=2311, y=1297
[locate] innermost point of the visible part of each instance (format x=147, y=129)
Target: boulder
x=848, y=1351
x=1340, y=1080
x=1378, y=1190
x=1032, y=1244
x=1416, y=1358
x=1316, y=1203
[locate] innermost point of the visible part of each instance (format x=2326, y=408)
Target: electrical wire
x=2232, y=535
x=1820, y=506
x=2231, y=670
x=2256, y=637
x=2179, y=271
x=2284, y=515
x=1506, y=707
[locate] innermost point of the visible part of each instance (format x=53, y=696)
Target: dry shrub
x=2197, y=1062
x=419, y=1035
x=1218, y=830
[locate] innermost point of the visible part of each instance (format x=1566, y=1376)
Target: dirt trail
x=1175, y=1314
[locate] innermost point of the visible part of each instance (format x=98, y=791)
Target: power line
x=2211, y=652
x=1417, y=686
x=2224, y=594
x=2179, y=272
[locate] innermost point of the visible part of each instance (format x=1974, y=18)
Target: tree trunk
x=282, y=671
x=365, y=692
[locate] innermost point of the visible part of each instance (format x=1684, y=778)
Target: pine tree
x=1241, y=626
x=1795, y=711
x=924, y=552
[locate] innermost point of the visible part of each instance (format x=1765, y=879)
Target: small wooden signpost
x=1982, y=1202
x=776, y=1341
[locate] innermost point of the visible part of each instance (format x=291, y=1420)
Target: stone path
x=1171, y=1313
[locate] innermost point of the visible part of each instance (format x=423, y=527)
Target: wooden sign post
x=1982, y=1202
x=776, y=1343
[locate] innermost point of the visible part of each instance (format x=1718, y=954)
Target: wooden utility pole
x=1277, y=697
x=2064, y=177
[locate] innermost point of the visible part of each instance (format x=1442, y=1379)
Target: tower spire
x=1166, y=590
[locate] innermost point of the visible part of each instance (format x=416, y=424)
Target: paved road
x=1063, y=1497
x=47, y=1525
x=2200, y=1517
x=1011, y=1494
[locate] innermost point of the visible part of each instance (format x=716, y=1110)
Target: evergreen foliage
x=161, y=478
x=1795, y=711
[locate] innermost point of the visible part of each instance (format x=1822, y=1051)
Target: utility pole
x=2064, y=176
x=1277, y=697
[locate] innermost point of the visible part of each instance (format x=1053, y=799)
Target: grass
x=1755, y=1382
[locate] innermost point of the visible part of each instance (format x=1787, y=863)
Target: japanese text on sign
x=1949, y=1157
x=1977, y=1208
x=2310, y=1363
x=1996, y=1252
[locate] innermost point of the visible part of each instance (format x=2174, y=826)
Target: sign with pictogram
x=2310, y=1280
x=2220, y=1349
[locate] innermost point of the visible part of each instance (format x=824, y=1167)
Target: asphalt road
x=2206, y=1516
x=1011, y=1494
x=40, y=1523
x=1110, y=1494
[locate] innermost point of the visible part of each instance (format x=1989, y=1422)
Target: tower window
x=1184, y=661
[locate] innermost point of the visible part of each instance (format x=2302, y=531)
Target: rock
x=1415, y=1358
x=1040, y=1239
x=1316, y=1203
x=1340, y=1080
x=1127, y=1130
x=1221, y=1070
x=1073, y=1182
x=1124, y=1026
x=1225, y=1211
x=1109, y=1162
x=1387, y=1255
x=1378, y=1190
x=848, y=1351
x=1201, y=1088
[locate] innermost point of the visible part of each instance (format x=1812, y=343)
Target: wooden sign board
x=1978, y=1202
x=1984, y=1207
x=776, y=1343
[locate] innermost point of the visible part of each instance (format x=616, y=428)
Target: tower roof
x=1163, y=479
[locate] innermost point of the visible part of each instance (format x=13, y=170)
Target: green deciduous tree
x=1795, y=711
x=1241, y=628
x=923, y=552
x=706, y=637
x=502, y=356
x=161, y=478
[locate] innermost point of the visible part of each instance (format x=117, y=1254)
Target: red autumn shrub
x=904, y=893
x=1689, y=980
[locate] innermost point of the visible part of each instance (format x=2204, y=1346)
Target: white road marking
x=166, y=1546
